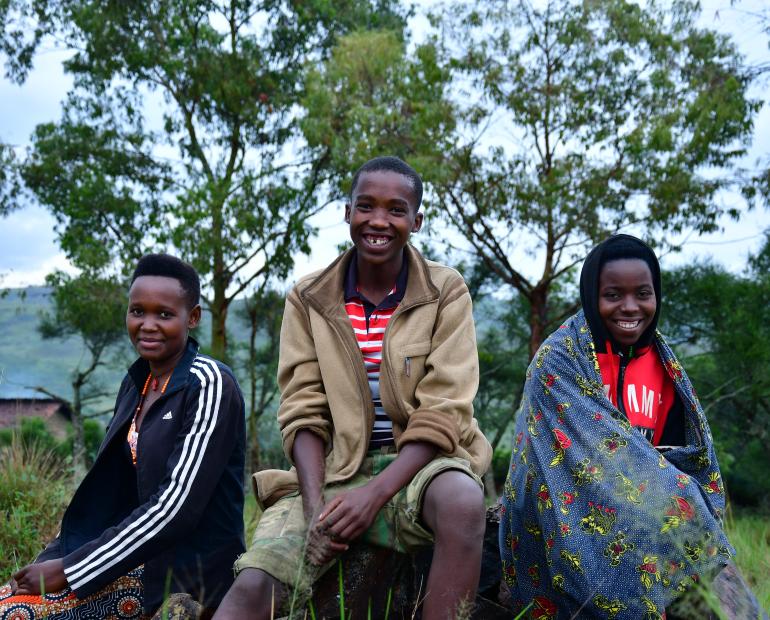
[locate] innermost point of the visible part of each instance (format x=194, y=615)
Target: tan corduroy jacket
x=428, y=376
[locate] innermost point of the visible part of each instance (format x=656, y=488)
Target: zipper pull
x=408, y=366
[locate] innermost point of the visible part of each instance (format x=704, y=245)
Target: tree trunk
x=219, y=309
x=78, y=432
x=252, y=440
x=538, y=319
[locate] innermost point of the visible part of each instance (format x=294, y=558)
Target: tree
x=621, y=115
x=92, y=308
x=549, y=128
x=263, y=311
x=179, y=132
x=373, y=97
x=720, y=322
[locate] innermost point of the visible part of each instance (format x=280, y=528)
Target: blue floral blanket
x=597, y=522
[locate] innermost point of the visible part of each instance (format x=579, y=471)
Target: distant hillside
x=26, y=360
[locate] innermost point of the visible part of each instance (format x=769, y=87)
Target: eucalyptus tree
x=617, y=115
x=180, y=132
x=540, y=128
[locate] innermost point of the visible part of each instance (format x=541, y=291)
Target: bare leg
x=254, y=595
x=454, y=511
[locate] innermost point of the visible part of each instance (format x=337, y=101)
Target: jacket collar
x=141, y=368
x=326, y=293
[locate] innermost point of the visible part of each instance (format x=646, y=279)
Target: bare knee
x=454, y=509
x=253, y=594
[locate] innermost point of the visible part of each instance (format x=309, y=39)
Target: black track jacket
x=180, y=510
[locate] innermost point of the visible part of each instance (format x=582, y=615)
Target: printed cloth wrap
x=597, y=523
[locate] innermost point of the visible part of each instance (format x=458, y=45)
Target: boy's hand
x=350, y=514
x=322, y=546
x=50, y=573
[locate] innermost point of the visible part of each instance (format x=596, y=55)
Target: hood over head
x=613, y=248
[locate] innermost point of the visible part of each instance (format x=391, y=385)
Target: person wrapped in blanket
x=613, y=503
x=161, y=509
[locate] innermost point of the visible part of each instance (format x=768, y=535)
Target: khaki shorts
x=278, y=546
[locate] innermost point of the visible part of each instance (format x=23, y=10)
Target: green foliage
x=622, y=114
x=34, y=434
x=372, y=98
x=91, y=307
x=721, y=322
x=9, y=180
x=614, y=114
x=219, y=179
x=749, y=533
x=33, y=495
x=22, y=26
x=501, y=463
x=263, y=313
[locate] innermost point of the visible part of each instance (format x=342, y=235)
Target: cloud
x=28, y=250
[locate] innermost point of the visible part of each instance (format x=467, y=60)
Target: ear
x=194, y=318
x=417, y=222
x=347, y=213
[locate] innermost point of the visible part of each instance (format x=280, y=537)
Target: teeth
x=378, y=240
x=627, y=324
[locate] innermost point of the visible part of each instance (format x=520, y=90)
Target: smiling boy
x=378, y=370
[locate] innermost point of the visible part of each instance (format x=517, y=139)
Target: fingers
x=324, y=554
x=330, y=508
x=321, y=548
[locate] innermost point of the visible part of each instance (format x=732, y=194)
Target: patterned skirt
x=121, y=600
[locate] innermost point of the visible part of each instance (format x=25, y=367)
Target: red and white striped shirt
x=369, y=324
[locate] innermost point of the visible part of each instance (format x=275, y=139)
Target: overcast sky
x=28, y=249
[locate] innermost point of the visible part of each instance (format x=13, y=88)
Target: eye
x=165, y=314
x=645, y=293
x=135, y=312
x=398, y=211
x=362, y=206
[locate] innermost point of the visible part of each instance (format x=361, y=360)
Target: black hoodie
x=615, y=248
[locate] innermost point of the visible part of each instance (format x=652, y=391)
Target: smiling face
x=627, y=301
x=158, y=320
x=382, y=214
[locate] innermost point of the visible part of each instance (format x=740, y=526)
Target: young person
x=378, y=370
x=161, y=509
x=613, y=501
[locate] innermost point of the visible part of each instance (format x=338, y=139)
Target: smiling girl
x=613, y=502
x=161, y=508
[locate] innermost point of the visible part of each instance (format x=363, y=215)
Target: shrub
x=34, y=491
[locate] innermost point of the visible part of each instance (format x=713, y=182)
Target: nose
x=630, y=304
x=379, y=218
x=148, y=324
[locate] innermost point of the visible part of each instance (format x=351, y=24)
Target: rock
x=380, y=579
x=180, y=606
x=735, y=597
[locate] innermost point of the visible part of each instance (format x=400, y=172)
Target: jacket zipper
x=621, y=378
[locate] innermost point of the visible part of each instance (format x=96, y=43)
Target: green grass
x=33, y=495
x=750, y=535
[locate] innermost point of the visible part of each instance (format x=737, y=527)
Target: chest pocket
x=413, y=359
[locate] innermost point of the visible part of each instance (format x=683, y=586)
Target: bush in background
x=34, y=432
x=34, y=491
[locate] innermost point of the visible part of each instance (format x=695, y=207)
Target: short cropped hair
x=391, y=164
x=171, y=267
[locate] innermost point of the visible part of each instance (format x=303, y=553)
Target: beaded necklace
x=133, y=434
